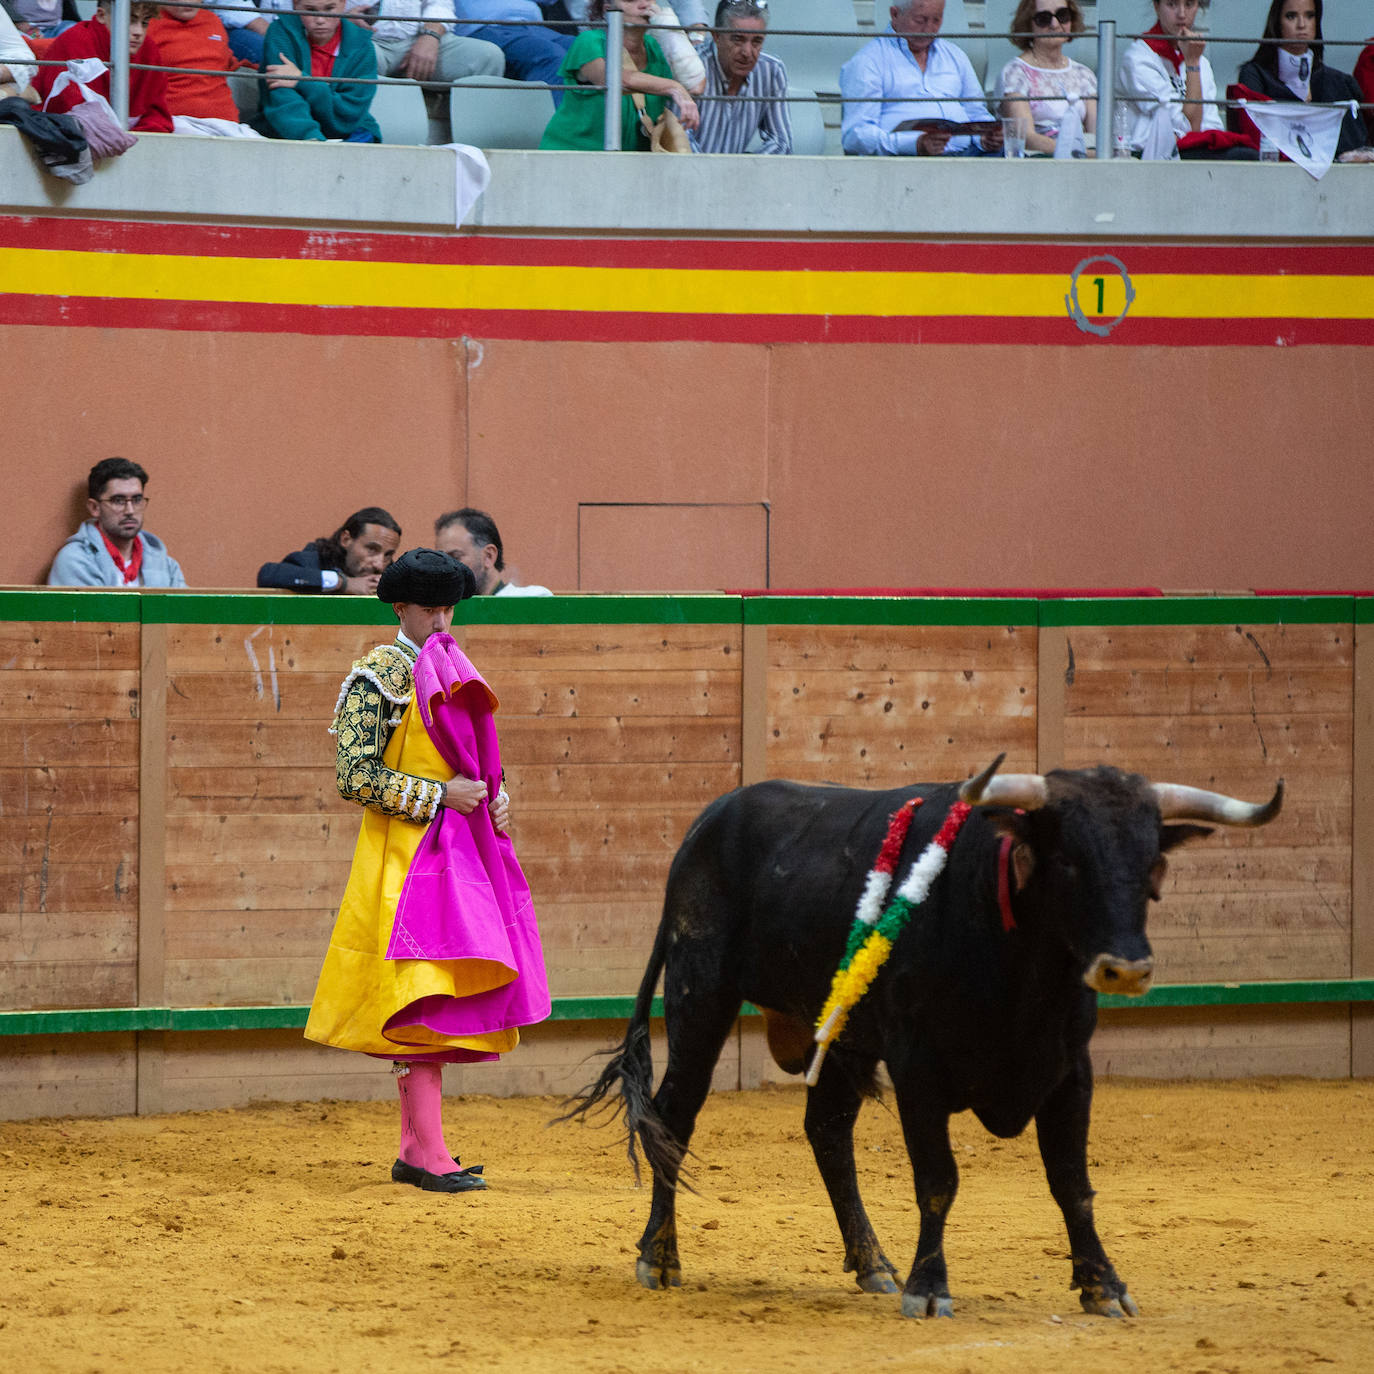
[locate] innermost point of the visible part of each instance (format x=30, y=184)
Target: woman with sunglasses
x=1290, y=66
x=1039, y=87
x=1165, y=75
x=579, y=122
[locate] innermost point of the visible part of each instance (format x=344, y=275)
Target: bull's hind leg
x=832, y=1107
x=697, y=1019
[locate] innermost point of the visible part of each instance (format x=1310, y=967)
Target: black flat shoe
x=463, y=1182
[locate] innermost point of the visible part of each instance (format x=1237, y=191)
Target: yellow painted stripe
x=654, y=291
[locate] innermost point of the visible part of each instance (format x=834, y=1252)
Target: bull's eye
x=1161, y=867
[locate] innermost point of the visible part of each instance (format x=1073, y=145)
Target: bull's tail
x=631, y=1069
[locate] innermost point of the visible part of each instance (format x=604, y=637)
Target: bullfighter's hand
x=465, y=795
x=500, y=812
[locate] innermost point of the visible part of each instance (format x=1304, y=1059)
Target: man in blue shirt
x=532, y=54
x=910, y=73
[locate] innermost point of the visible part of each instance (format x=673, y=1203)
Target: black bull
x=966, y=1014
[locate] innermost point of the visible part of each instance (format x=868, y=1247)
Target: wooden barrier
x=171, y=837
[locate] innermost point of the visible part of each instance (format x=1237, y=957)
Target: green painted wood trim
x=287, y=608
x=1200, y=610
x=85, y=1021
x=889, y=610
x=1364, y=610
x=103, y=607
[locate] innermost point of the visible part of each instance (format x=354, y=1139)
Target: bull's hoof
x=878, y=1281
x=656, y=1277
x=921, y=1305
x=1102, y=1304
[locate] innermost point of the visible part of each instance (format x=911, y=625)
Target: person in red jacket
x=148, y=111
x=193, y=38
x=1364, y=78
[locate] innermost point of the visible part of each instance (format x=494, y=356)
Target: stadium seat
x=1351, y=26
x=399, y=109
x=956, y=21
x=247, y=93
x=496, y=112
x=85, y=8
x=808, y=124
x=813, y=64
x=1243, y=19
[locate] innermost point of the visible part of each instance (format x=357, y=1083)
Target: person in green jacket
x=298, y=50
x=579, y=122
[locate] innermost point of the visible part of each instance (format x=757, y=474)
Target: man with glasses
x=908, y=77
x=112, y=549
x=749, y=113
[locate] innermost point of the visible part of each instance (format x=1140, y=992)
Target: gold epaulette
x=389, y=668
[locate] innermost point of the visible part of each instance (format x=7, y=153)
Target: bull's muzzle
x=1122, y=977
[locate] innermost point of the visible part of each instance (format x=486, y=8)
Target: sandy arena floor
x=271, y=1239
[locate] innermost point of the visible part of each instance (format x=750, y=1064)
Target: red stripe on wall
x=609, y=327
x=198, y=240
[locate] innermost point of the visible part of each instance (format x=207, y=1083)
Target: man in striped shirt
x=753, y=115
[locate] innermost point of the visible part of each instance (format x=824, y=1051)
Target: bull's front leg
x=1061, y=1126
x=926, y=1130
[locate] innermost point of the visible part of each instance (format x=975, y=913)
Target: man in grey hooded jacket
x=112, y=549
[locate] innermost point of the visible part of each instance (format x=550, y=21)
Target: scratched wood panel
x=878, y=706
x=278, y=694
x=1233, y=708
x=68, y=814
x=1223, y=1042
x=58, y=646
x=67, y=1075
x=327, y=649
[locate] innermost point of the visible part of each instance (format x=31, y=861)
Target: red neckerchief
x=1158, y=42
x=322, y=58
x=134, y=566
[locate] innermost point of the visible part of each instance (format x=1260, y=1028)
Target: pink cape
x=464, y=895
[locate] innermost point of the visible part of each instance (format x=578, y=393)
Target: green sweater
x=312, y=109
x=579, y=122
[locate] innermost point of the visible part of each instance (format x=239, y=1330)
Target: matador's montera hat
x=426, y=577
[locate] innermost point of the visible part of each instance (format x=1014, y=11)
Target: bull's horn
x=1026, y=790
x=1180, y=803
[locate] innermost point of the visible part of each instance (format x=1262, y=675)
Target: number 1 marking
x=1101, y=284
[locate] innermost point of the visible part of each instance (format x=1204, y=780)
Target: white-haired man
x=911, y=74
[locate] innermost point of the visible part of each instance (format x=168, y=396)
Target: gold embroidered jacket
x=371, y=702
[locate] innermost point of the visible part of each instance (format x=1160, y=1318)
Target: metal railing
x=122, y=65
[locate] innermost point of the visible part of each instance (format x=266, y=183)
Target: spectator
x=300, y=50
x=112, y=549
x=424, y=50
x=16, y=57
x=1364, y=78
x=579, y=122
x=194, y=38
x=148, y=111
x=472, y=538
x=736, y=65
x=41, y=18
x=1295, y=70
x=349, y=561
x=911, y=74
x=531, y=54
x=1039, y=87
x=1166, y=79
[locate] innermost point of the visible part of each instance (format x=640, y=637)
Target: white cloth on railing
x=1304, y=135
x=1159, y=142
x=471, y=176
x=14, y=51
x=199, y=127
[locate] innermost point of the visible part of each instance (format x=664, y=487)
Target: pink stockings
x=422, y=1126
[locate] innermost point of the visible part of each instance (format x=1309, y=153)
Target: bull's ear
x=1171, y=836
